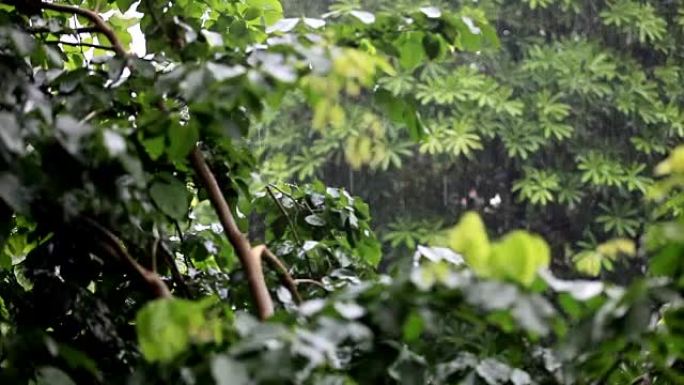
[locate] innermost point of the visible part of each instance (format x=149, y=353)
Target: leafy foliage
x=132, y=186
x=562, y=118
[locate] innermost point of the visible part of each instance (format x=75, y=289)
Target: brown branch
x=250, y=262
x=68, y=31
x=279, y=266
x=115, y=246
x=80, y=44
x=99, y=24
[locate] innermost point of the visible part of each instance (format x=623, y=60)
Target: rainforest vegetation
x=340, y=192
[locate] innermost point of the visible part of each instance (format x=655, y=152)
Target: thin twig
x=80, y=44
x=310, y=281
x=155, y=248
x=115, y=246
x=175, y=273
x=68, y=31
x=89, y=117
x=179, y=231
x=285, y=214
x=297, y=238
x=250, y=263
x=181, y=238
x=305, y=205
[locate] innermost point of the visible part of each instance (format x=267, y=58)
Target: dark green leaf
x=171, y=196
x=182, y=139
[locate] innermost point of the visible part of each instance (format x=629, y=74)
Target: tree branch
x=69, y=31
x=99, y=24
x=278, y=265
x=114, y=245
x=80, y=44
x=96, y=19
x=250, y=263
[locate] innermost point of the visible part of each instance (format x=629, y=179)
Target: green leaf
x=52, y=376
x=364, y=16
x=469, y=237
x=516, y=257
x=493, y=372
x=227, y=371
x=10, y=135
x=370, y=250
x=182, y=139
x=13, y=193
x=409, y=368
x=469, y=34
x=519, y=256
x=171, y=196
x=167, y=327
x=120, y=26
x=413, y=327
x=431, y=12
x=271, y=10
x=674, y=164
x=23, y=42
x=315, y=220
x=589, y=262
x=410, y=47
x=155, y=146
x=5, y=261
x=401, y=111
x=434, y=45
x=124, y=5
x=4, y=315
x=114, y=142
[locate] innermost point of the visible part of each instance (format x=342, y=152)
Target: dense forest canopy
x=240, y=192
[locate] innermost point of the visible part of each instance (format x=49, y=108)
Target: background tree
x=556, y=131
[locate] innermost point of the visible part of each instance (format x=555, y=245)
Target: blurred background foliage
x=557, y=130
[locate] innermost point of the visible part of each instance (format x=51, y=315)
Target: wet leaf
x=365, y=17
x=52, y=376
x=431, y=12
x=171, y=196
x=315, y=220
x=227, y=371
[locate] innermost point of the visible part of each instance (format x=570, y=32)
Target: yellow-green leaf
x=588, y=262
x=167, y=327
x=469, y=237
x=673, y=164
x=518, y=256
